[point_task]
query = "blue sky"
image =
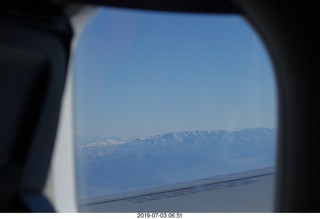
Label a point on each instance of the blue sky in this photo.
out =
(140, 73)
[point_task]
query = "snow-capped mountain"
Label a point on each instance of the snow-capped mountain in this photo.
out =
(81, 140)
(109, 166)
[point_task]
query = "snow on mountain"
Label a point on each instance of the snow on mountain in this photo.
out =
(109, 166)
(81, 140)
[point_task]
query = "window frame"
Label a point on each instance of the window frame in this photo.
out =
(296, 71)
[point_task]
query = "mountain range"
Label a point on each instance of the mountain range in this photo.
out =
(109, 166)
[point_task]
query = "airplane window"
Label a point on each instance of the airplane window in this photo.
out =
(169, 100)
